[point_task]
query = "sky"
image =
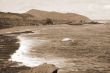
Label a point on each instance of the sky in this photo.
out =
(94, 9)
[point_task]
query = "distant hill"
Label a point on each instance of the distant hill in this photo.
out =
(15, 19)
(38, 17)
(14, 15)
(42, 15)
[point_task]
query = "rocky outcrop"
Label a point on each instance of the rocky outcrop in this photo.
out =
(44, 68)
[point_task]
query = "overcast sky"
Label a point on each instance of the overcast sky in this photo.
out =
(94, 9)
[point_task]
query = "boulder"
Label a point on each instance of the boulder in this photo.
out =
(68, 41)
(45, 68)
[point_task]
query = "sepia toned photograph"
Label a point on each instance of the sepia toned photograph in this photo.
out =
(54, 36)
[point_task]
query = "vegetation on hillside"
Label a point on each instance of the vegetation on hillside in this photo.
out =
(33, 18)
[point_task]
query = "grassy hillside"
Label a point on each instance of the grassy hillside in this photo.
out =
(37, 17)
(42, 15)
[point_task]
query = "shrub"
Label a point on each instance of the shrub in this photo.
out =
(48, 21)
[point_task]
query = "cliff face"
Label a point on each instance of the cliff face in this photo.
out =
(37, 17)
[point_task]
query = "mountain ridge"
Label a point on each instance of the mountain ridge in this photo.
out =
(40, 14)
(35, 17)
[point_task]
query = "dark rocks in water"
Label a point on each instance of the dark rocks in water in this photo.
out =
(8, 46)
(13, 69)
(45, 68)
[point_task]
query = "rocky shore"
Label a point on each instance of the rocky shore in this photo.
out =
(8, 45)
(90, 53)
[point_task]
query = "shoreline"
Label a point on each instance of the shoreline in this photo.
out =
(90, 53)
(8, 46)
(13, 66)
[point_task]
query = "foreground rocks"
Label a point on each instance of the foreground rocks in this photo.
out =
(45, 68)
(8, 46)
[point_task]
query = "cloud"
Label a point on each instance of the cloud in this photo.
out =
(107, 6)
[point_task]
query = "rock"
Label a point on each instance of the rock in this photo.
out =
(45, 68)
(68, 42)
(66, 39)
